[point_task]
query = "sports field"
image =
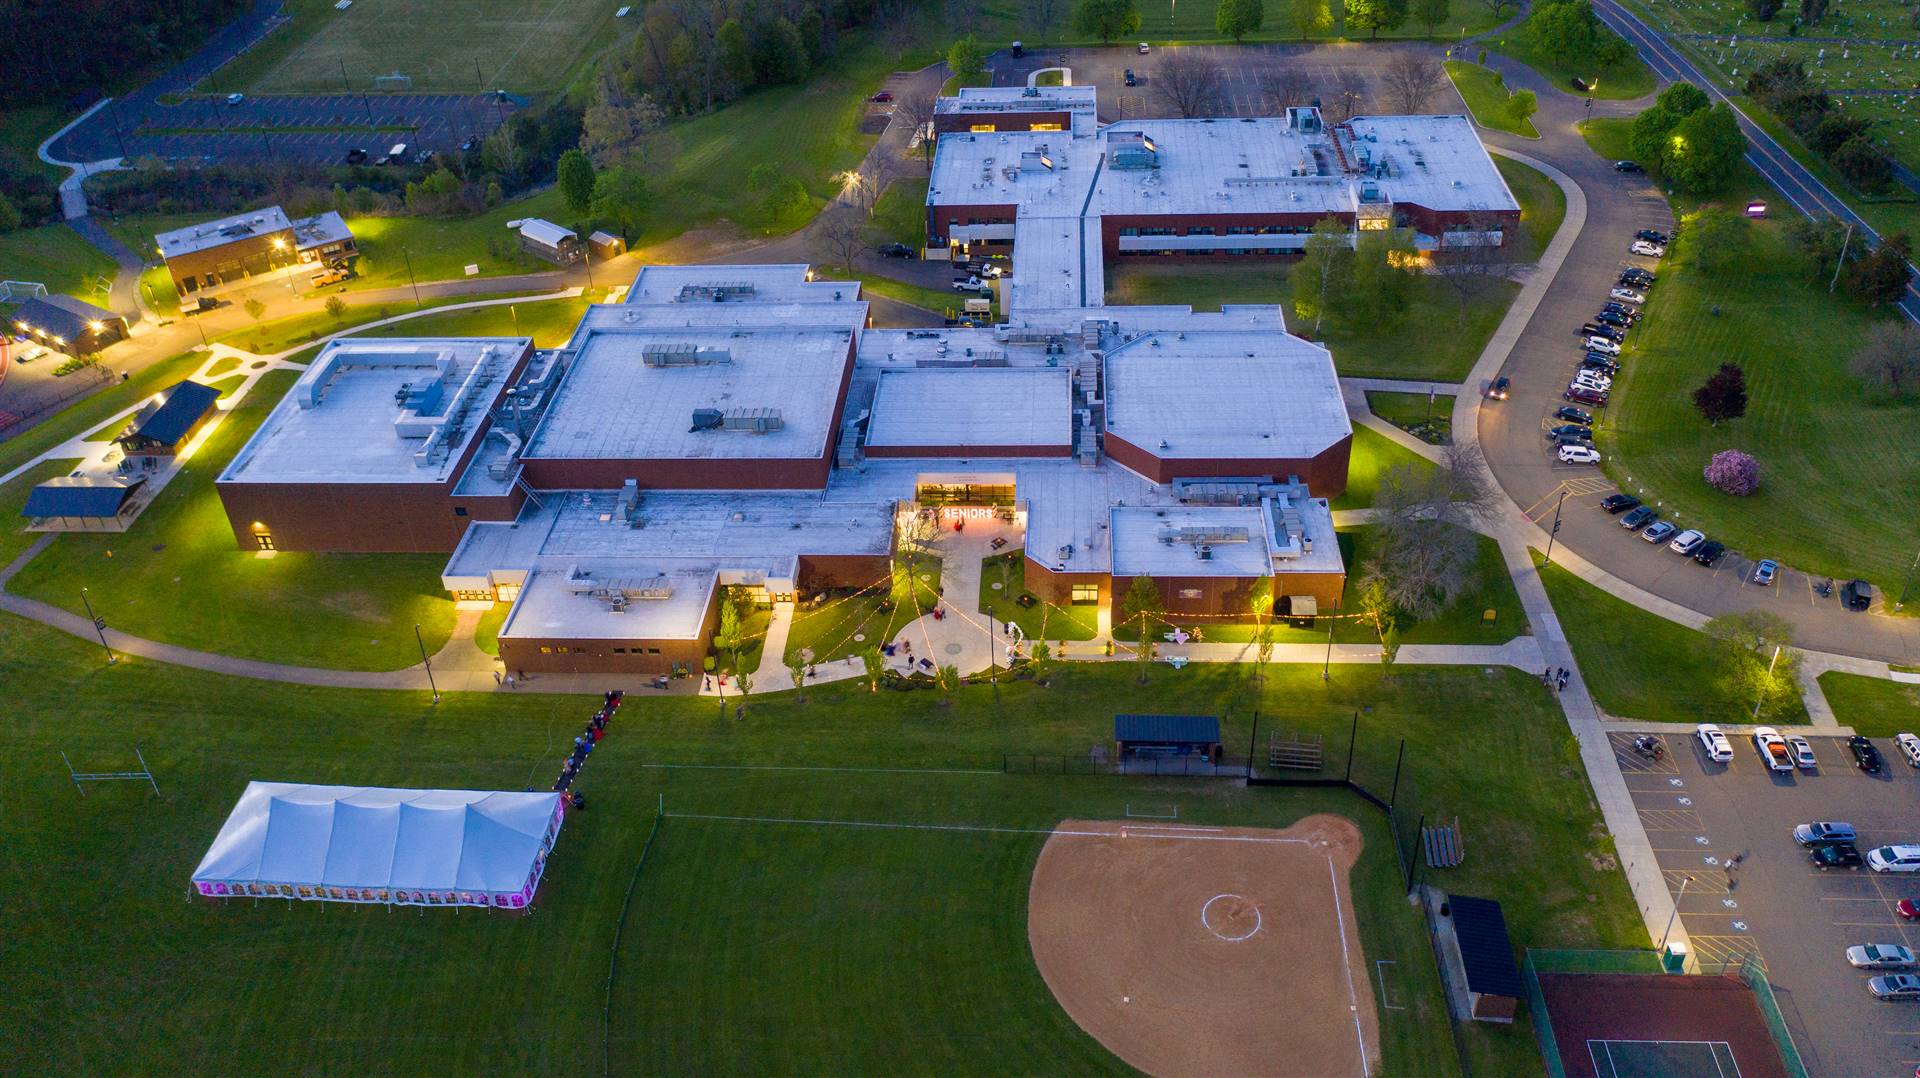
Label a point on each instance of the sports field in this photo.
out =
(444, 46)
(795, 942)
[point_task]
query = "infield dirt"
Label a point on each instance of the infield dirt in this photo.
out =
(1203, 950)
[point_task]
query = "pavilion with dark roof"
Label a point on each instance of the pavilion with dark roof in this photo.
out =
(82, 503)
(169, 420)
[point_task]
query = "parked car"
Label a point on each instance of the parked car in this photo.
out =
(396, 155)
(1837, 855)
(1639, 518)
(1628, 295)
(1143, 48)
(1866, 756)
(1879, 956)
(1909, 747)
(1647, 250)
(1592, 380)
(1772, 749)
(882, 97)
(1687, 542)
(1713, 742)
(1619, 503)
(1908, 909)
(1130, 80)
(1579, 454)
(1822, 832)
(1856, 594)
(1631, 314)
(1499, 388)
(356, 156)
(470, 144)
(1652, 236)
(1892, 987)
(1657, 531)
(32, 352)
(1602, 344)
(1628, 166)
(424, 157)
(895, 250)
(1591, 397)
(1801, 750)
(1601, 330)
(1613, 318)
(1594, 361)
(235, 99)
(1710, 552)
(1764, 571)
(1571, 429)
(1637, 277)
(1573, 415)
(1572, 439)
(1897, 858)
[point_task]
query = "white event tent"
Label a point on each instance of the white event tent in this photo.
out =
(369, 844)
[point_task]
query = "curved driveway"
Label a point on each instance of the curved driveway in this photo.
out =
(1544, 355)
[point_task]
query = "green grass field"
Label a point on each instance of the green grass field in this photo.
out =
(486, 45)
(1623, 82)
(55, 256)
(1486, 98)
(1642, 666)
(1873, 706)
(1415, 413)
(1165, 22)
(747, 946)
(178, 576)
(1372, 457)
(1041, 621)
(1542, 206)
(549, 322)
(14, 537)
(1838, 463)
(901, 214)
(1383, 354)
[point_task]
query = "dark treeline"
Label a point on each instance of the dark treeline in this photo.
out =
(64, 51)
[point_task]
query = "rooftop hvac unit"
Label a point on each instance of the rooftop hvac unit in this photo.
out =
(706, 419)
(754, 420)
(684, 355)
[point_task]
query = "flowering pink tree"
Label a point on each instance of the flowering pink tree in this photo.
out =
(1733, 472)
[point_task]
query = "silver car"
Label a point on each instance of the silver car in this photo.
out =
(1880, 956)
(1894, 986)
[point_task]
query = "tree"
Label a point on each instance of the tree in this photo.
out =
(779, 55)
(1761, 664)
(1238, 18)
(948, 677)
(1348, 91)
(1521, 106)
(575, 177)
(1382, 280)
(1720, 240)
(875, 665)
(1683, 99)
(1411, 79)
(1724, 395)
(1500, 8)
(1425, 554)
(1822, 241)
(1733, 472)
(1321, 275)
(968, 60)
(620, 197)
(1039, 659)
(1889, 358)
(841, 233)
(1142, 606)
(736, 55)
(336, 308)
(1375, 608)
(1283, 87)
(1881, 277)
(1190, 83)
(1835, 130)
(1763, 10)
(1105, 19)
(1565, 30)
(1705, 151)
(1864, 164)
(1390, 644)
(616, 129)
(1812, 11)
(962, 15)
(1042, 17)
(1374, 16)
(915, 109)
(254, 308)
(1432, 13)
(731, 633)
(9, 214)
(1311, 16)
(797, 670)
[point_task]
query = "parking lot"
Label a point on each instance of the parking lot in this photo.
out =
(1722, 835)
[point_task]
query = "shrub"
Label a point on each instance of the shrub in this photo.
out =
(1733, 472)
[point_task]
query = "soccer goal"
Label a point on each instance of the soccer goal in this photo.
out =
(395, 83)
(81, 778)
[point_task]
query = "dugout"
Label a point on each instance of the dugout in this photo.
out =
(1167, 735)
(1481, 951)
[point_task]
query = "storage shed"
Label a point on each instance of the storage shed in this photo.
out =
(1167, 735)
(1486, 953)
(69, 325)
(544, 239)
(605, 245)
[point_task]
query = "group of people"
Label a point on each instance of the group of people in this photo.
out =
(582, 748)
(1555, 679)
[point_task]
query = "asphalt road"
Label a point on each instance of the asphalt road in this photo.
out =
(1800, 920)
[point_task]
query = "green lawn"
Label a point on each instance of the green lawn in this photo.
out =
(1427, 418)
(177, 576)
(1542, 205)
(1373, 456)
(1642, 666)
(1839, 465)
(486, 634)
(1042, 620)
(1873, 706)
(55, 256)
(92, 411)
(1623, 81)
(931, 299)
(14, 537)
(815, 950)
(549, 322)
(1164, 22)
(901, 214)
(1486, 97)
(826, 632)
(1369, 351)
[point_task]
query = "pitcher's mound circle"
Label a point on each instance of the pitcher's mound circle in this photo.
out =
(1231, 917)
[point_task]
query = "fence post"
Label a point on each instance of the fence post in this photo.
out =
(1393, 797)
(1413, 862)
(1252, 740)
(1353, 734)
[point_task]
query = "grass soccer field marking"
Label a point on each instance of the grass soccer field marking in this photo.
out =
(1380, 973)
(801, 767)
(1190, 834)
(1346, 960)
(507, 64)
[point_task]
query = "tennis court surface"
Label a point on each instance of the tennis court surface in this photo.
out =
(1630, 1025)
(1663, 1059)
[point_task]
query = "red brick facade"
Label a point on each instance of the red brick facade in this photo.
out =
(965, 451)
(947, 123)
(1325, 473)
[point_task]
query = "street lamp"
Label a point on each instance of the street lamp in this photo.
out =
(1684, 880)
(1556, 526)
(425, 661)
(99, 626)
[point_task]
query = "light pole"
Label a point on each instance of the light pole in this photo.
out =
(1326, 667)
(1908, 586)
(405, 254)
(426, 662)
(1762, 696)
(1556, 526)
(99, 626)
(1684, 880)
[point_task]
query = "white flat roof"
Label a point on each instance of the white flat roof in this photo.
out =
(1062, 263)
(613, 405)
(1225, 396)
(320, 230)
(982, 406)
(209, 234)
(559, 601)
(733, 284)
(724, 526)
(1156, 541)
(342, 423)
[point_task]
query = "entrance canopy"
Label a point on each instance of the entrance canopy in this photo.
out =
(370, 844)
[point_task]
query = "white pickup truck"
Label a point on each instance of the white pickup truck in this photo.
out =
(969, 284)
(1772, 748)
